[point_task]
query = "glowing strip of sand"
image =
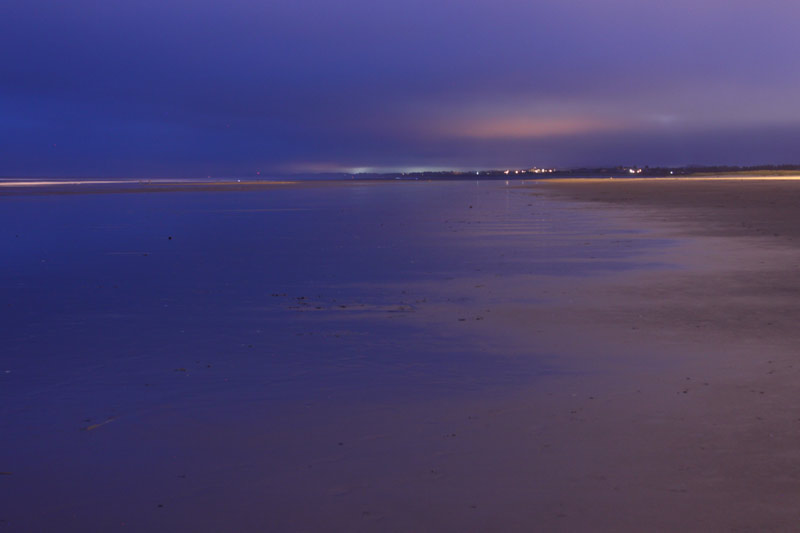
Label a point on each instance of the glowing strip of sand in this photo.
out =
(48, 183)
(675, 178)
(130, 182)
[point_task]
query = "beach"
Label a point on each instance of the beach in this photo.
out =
(558, 355)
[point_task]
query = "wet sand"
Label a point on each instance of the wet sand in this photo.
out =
(703, 438)
(679, 413)
(650, 327)
(716, 206)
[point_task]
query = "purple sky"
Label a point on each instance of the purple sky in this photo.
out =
(232, 87)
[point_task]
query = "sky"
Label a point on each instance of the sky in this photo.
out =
(180, 88)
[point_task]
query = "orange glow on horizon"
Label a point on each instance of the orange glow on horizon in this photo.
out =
(528, 128)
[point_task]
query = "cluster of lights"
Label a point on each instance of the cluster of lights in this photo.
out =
(533, 170)
(636, 171)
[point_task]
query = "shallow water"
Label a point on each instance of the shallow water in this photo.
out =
(150, 318)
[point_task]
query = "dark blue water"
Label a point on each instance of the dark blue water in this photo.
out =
(211, 304)
(197, 276)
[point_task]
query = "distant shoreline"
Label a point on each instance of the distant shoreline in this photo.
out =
(534, 173)
(15, 186)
